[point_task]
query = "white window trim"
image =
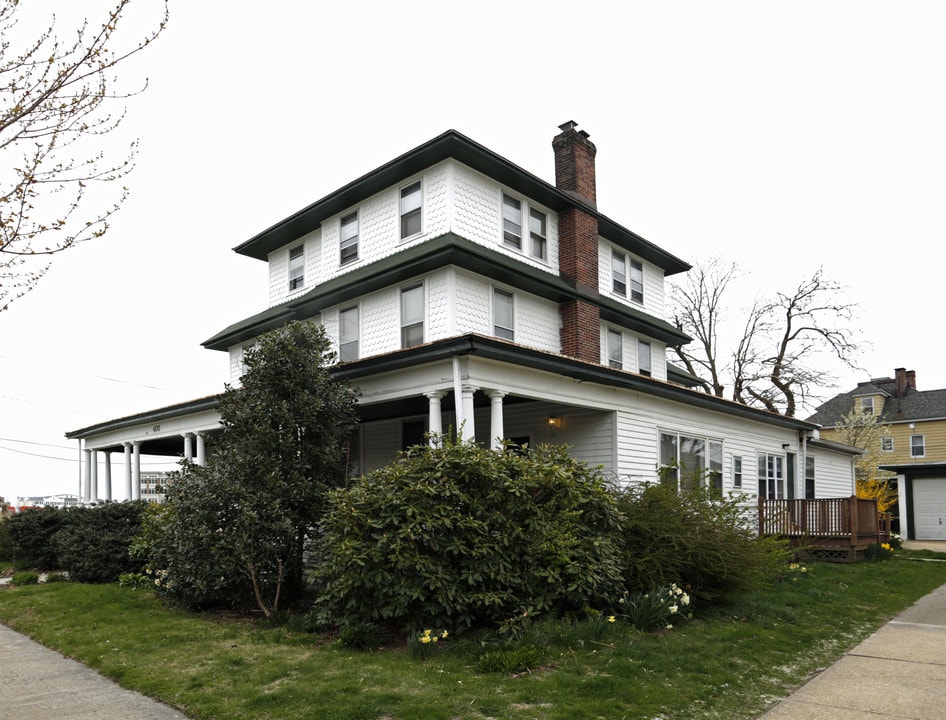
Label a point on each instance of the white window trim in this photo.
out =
(512, 298)
(400, 215)
(648, 371)
(341, 239)
(886, 444)
(922, 445)
(301, 286)
(630, 264)
(707, 469)
(357, 308)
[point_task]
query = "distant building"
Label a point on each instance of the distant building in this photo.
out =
(914, 450)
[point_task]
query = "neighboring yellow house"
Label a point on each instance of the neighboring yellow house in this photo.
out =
(914, 451)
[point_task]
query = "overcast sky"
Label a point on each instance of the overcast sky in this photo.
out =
(783, 136)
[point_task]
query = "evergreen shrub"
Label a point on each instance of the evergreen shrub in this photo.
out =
(459, 536)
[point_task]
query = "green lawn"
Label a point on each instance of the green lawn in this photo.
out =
(729, 661)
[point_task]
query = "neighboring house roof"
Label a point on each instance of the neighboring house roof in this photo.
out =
(450, 144)
(914, 405)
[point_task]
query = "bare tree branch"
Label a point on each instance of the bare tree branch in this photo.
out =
(58, 100)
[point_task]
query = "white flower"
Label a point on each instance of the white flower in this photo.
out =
(684, 599)
(673, 609)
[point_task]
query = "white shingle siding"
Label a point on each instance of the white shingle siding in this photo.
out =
(477, 216)
(654, 297)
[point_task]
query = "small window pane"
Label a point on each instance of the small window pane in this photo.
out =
(637, 281)
(349, 238)
(537, 225)
(348, 334)
(615, 350)
(412, 316)
(618, 273)
(503, 326)
(643, 357)
(411, 210)
(512, 222)
(296, 268)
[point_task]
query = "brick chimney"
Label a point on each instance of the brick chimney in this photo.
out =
(904, 379)
(578, 243)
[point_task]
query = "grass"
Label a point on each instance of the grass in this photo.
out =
(730, 661)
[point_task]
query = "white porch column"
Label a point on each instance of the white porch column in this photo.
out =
(108, 475)
(95, 476)
(87, 475)
(201, 450)
(136, 470)
(496, 432)
(469, 426)
(127, 447)
(435, 418)
(188, 446)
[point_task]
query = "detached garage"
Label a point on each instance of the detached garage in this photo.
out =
(922, 489)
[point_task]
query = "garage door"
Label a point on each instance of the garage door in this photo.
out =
(929, 508)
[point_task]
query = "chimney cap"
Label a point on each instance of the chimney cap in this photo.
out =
(570, 125)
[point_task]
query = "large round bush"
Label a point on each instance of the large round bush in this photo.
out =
(460, 536)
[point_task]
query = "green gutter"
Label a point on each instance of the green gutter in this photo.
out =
(448, 249)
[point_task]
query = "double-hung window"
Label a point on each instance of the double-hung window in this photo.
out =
(771, 476)
(643, 357)
(886, 444)
(737, 472)
(615, 350)
(348, 328)
(349, 239)
(917, 446)
(410, 210)
(627, 273)
(412, 315)
(809, 477)
(296, 267)
(538, 223)
(503, 315)
(867, 405)
(512, 222)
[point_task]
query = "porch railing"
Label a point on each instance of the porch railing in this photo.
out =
(852, 518)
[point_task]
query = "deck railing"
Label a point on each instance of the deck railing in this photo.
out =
(852, 517)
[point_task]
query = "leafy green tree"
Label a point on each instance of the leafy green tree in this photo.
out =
(459, 535)
(280, 452)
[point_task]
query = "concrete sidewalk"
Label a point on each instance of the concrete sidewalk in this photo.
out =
(898, 672)
(38, 684)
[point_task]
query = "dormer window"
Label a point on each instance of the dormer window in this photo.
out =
(349, 239)
(867, 405)
(296, 268)
(411, 210)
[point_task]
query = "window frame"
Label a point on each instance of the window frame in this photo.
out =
(296, 267)
(737, 472)
(914, 445)
(500, 331)
(352, 241)
(408, 327)
(343, 354)
(708, 449)
(774, 484)
(618, 286)
(867, 405)
(539, 240)
(809, 477)
(649, 354)
(886, 444)
(406, 217)
(511, 238)
(615, 341)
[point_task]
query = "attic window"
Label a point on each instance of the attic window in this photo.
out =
(867, 405)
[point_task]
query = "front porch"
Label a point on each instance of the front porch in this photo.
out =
(833, 529)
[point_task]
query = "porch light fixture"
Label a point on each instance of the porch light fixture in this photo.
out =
(555, 424)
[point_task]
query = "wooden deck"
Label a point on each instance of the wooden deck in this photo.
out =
(836, 529)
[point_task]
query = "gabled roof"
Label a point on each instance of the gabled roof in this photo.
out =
(915, 405)
(450, 144)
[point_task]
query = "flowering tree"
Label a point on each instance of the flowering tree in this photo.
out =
(58, 98)
(866, 431)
